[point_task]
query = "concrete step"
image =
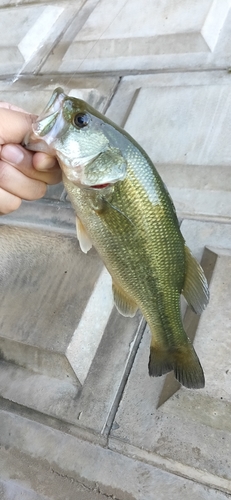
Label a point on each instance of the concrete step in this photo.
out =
(24, 478)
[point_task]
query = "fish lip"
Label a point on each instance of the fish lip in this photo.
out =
(98, 187)
(35, 140)
(49, 120)
(44, 121)
(55, 103)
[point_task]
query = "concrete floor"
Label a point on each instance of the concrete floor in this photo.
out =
(79, 416)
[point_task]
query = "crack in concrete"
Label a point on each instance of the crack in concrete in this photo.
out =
(84, 486)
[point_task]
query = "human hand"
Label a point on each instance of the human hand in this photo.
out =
(23, 175)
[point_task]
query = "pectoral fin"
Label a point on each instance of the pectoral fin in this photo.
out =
(195, 289)
(84, 240)
(124, 304)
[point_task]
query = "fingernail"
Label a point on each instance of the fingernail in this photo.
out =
(12, 154)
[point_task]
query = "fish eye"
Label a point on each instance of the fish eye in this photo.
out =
(81, 120)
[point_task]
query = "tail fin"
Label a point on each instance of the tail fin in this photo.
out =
(184, 362)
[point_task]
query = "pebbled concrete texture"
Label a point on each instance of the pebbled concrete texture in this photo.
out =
(31, 479)
(115, 475)
(79, 416)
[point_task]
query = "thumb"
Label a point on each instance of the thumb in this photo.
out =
(14, 125)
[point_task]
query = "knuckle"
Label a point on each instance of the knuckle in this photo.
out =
(54, 178)
(40, 189)
(10, 205)
(15, 204)
(3, 172)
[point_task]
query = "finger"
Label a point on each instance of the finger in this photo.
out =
(44, 162)
(22, 160)
(8, 105)
(8, 202)
(14, 125)
(15, 182)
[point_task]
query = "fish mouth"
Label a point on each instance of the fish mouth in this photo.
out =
(101, 186)
(47, 127)
(104, 187)
(99, 170)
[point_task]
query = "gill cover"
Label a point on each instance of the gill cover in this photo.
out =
(72, 131)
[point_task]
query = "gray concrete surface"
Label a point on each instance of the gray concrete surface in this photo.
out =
(113, 474)
(79, 416)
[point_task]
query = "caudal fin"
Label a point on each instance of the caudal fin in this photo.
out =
(183, 361)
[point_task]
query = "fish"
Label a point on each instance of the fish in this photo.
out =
(124, 210)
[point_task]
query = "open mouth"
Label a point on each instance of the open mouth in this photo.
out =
(50, 123)
(47, 126)
(101, 186)
(55, 103)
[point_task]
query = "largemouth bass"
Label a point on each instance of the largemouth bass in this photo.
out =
(123, 208)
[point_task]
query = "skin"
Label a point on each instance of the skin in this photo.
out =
(23, 175)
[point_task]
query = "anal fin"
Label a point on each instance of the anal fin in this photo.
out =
(125, 305)
(84, 240)
(195, 289)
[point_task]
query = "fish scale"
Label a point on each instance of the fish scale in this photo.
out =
(123, 208)
(150, 248)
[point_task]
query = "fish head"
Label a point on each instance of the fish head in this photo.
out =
(76, 134)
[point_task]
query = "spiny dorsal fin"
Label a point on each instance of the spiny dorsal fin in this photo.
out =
(84, 240)
(124, 304)
(195, 289)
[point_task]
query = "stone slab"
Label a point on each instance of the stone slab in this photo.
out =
(197, 115)
(12, 491)
(130, 84)
(183, 123)
(22, 477)
(131, 37)
(48, 357)
(41, 305)
(55, 58)
(33, 92)
(86, 412)
(91, 465)
(44, 214)
(190, 430)
(37, 28)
